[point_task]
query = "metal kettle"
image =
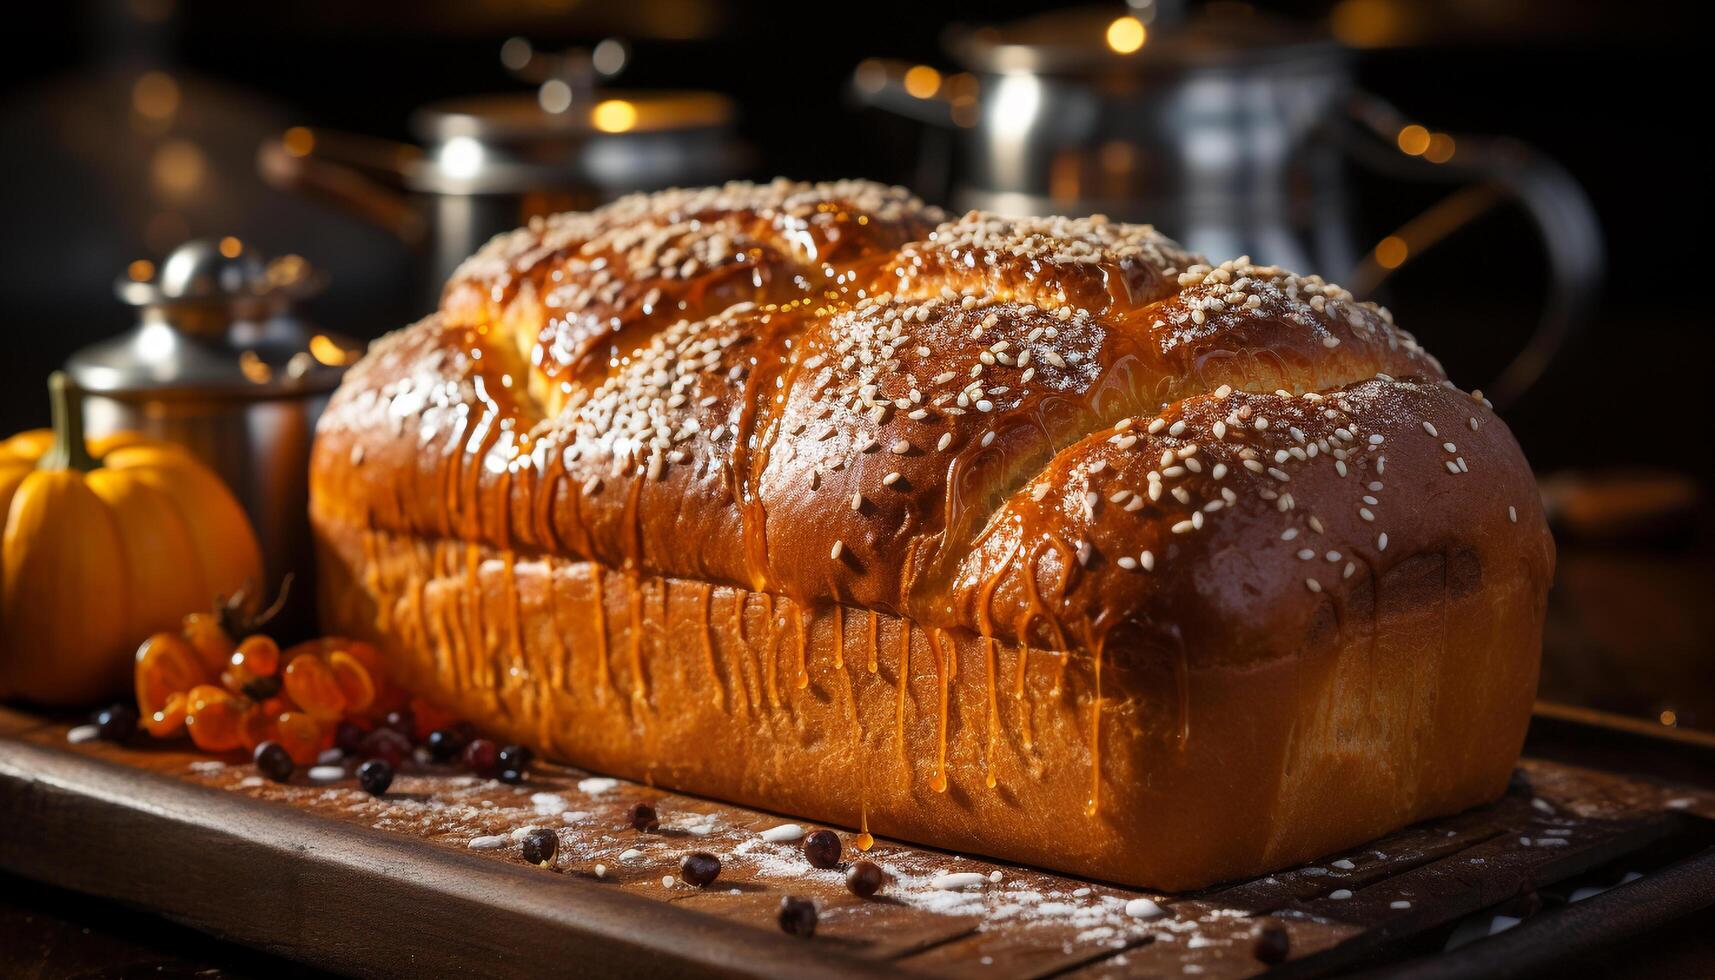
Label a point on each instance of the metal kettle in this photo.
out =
(219, 363)
(1231, 130)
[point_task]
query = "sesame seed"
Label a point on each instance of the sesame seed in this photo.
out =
(1366, 513)
(1305, 554)
(1156, 425)
(945, 441)
(900, 447)
(1127, 562)
(1147, 560)
(1313, 585)
(1183, 527)
(1381, 541)
(1289, 534)
(1452, 467)
(1376, 439)
(1333, 556)
(857, 501)
(890, 479)
(1177, 428)
(1512, 514)
(1429, 427)
(839, 546)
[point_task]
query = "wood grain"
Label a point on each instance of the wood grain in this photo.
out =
(325, 874)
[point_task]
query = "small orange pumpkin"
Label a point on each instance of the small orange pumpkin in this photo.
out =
(104, 544)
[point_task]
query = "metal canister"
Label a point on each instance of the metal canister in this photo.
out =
(220, 364)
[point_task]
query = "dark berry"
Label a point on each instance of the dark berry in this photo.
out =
(1272, 944)
(699, 868)
(375, 776)
(262, 688)
(798, 916)
(642, 817)
(865, 878)
(385, 743)
(401, 721)
(516, 757)
(822, 849)
(446, 743)
(117, 722)
(273, 761)
(482, 757)
(540, 845)
(511, 777)
(348, 736)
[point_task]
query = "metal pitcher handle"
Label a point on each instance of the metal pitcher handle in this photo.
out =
(359, 174)
(1496, 170)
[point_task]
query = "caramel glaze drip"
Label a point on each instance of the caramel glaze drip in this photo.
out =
(801, 271)
(705, 634)
(943, 679)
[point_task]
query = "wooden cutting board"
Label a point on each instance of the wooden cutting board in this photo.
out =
(323, 873)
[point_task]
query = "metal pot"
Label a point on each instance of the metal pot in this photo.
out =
(218, 363)
(489, 163)
(1229, 129)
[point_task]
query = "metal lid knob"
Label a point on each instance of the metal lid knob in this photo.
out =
(214, 271)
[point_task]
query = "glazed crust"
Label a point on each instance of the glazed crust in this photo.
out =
(1171, 545)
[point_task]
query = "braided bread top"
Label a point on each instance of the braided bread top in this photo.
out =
(1042, 430)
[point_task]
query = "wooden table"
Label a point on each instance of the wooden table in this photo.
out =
(326, 875)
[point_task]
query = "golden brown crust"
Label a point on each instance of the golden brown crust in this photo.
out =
(1070, 434)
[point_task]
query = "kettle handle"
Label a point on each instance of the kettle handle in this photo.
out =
(358, 174)
(1496, 171)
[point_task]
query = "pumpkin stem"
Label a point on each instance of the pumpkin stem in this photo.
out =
(238, 613)
(68, 451)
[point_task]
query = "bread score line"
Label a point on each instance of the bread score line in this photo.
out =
(1039, 538)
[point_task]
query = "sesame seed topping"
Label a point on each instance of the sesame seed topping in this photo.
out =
(1381, 541)
(839, 546)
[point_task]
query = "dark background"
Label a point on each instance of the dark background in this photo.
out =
(1617, 91)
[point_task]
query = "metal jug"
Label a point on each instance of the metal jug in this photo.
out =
(1229, 129)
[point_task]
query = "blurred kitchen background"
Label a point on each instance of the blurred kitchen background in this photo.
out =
(1422, 151)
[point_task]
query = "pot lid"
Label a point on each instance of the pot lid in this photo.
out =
(215, 319)
(524, 117)
(1102, 41)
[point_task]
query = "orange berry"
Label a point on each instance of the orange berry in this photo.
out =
(169, 719)
(353, 680)
(210, 641)
(258, 724)
(258, 654)
(256, 658)
(365, 653)
(312, 687)
(166, 665)
(212, 716)
(300, 734)
(427, 717)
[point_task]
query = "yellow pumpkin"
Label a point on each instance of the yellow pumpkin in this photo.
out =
(105, 543)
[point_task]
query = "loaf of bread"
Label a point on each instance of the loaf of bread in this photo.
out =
(1043, 539)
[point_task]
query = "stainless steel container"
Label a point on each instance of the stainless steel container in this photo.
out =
(489, 163)
(218, 363)
(1230, 129)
